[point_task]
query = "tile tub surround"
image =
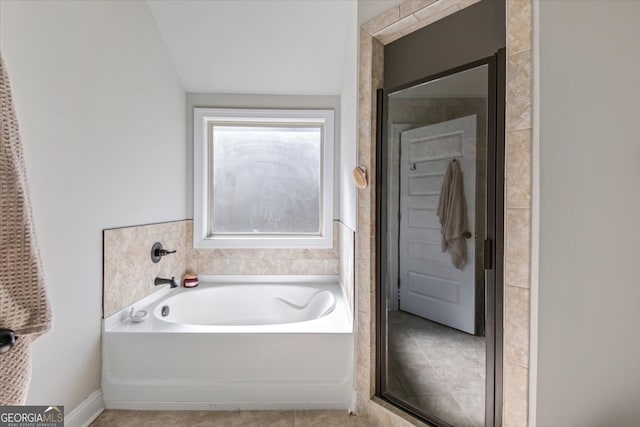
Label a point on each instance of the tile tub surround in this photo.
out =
(387, 27)
(128, 271)
(263, 261)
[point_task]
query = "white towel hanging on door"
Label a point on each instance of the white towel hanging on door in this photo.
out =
(452, 213)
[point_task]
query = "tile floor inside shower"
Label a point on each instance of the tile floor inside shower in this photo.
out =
(436, 368)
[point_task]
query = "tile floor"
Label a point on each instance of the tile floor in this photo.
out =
(436, 368)
(113, 418)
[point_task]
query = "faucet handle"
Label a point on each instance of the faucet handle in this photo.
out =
(157, 252)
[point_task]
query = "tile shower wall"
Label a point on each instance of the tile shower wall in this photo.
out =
(128, 270)
(517, 274)
(371, 76)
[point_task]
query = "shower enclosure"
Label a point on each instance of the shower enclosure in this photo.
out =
(439, 245)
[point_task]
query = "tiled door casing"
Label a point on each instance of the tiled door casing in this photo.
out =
(387, 27)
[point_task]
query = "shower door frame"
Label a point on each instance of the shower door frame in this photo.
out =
(494, 243)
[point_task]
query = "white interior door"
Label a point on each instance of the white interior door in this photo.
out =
(430, 286)
(393, 208)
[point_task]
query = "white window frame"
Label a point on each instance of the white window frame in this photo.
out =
(203, 119)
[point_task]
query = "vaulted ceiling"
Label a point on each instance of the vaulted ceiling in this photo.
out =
(369, 9)
(266, 46)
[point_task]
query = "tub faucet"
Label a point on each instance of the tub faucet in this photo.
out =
(160, 281)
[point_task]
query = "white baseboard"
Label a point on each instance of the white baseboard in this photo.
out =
(86, 412)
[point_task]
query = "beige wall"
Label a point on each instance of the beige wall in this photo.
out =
(589, 316)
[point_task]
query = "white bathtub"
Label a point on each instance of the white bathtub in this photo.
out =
(258, 342)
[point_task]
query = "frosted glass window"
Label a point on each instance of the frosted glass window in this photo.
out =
(266, 179)
(263, 178)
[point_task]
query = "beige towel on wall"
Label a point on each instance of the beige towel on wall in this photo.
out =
(24, 306)
(452, 213)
